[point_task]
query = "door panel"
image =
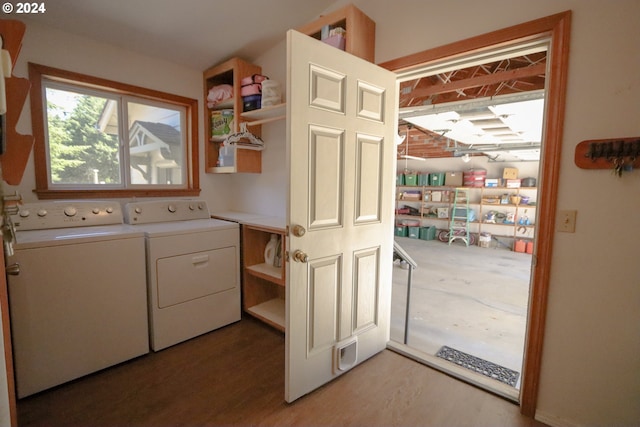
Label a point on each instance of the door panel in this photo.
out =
(324, 291)
(369, 173)
(326, 160)
(341, 120)
(326, 89)
(367, 285)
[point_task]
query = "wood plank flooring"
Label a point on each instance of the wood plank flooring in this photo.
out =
(235, 377)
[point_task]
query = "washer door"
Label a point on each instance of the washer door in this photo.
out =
(187, 277)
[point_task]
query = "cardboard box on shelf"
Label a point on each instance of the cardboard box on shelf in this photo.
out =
(510, 173)
(453, 179)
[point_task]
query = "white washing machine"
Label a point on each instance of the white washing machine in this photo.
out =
(77, 294)
(193, 268)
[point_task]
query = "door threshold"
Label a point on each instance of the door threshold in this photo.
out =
(458, 372)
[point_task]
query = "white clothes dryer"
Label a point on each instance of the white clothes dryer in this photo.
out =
(77, 294)
(193, 268)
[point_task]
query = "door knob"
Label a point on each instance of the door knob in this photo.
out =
(298, 230)
(300, 256)
(13, 269)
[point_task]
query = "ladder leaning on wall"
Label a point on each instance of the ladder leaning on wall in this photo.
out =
(459, 222)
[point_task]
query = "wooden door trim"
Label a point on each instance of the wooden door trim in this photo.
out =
(558, 28)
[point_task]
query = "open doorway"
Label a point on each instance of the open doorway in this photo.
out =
(468, 161)
(554, 32)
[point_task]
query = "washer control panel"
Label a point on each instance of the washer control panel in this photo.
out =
(152, 211)
(67, 214)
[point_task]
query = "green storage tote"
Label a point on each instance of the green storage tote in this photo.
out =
(413, 232)
(427, 233)
(401, 231)
(436, 179)
(410, 179)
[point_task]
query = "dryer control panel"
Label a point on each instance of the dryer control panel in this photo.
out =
(67, 214)
(151, 211)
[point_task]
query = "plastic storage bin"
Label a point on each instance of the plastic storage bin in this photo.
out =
(401, 231)
(427, 233)
(436, 179)
(413, 232)
(410, 179)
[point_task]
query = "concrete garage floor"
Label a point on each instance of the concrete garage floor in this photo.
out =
(471, 299)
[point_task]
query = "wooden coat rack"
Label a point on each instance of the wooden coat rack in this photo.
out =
(620, 154)
(18, 147)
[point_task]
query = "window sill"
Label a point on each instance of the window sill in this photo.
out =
(116, 193)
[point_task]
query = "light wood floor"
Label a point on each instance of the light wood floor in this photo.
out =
(235, 377)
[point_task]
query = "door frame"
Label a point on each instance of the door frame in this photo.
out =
(557, 28)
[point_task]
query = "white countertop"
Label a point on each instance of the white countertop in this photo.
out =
(248, 218)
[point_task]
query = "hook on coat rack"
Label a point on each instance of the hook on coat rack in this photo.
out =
(620, 154)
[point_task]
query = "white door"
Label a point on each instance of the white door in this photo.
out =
(341, 113)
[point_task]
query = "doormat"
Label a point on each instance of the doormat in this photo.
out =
(478, 365)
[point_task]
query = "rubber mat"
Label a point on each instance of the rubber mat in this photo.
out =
(480, 366)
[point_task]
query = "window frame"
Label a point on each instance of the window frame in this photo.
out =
(43, 190)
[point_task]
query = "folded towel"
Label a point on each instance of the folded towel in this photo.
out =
(219, 93)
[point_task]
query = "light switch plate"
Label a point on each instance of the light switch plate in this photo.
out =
(567, 221)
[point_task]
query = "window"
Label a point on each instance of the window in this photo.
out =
(98, 138)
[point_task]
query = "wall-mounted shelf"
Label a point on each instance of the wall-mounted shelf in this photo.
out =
(361, 30)
(265, 115)
(237, 159)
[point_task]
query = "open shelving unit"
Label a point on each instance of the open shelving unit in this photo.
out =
(425, 208)
(229, 72)
(263, 285)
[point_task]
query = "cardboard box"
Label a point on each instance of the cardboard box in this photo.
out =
(412, 195)
(513, 183)
(491, 182)
(510, 173)
(454, 179)
(443, 212)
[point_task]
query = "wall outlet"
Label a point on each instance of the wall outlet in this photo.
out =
(567, 221)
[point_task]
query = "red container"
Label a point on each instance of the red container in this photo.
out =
(519, 246)
(529, 248)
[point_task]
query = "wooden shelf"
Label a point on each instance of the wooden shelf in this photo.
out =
(263, 285)
(265, 115)
(267, 272)
(272, 312)
(361, 30)
(229, 72)
(512, 230)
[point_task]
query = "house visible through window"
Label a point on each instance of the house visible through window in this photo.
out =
(103, 138)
